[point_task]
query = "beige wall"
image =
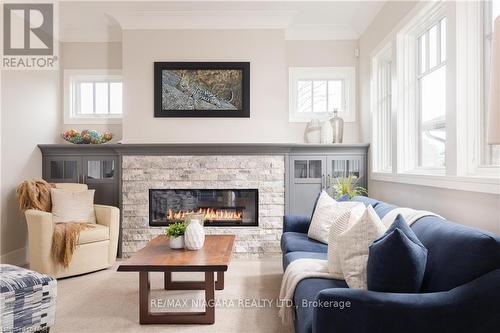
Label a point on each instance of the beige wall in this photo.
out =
(29, 116)
(91, 56)
(470, 208)
(269, 55)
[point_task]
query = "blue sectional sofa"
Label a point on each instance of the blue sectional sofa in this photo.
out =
(460, 293)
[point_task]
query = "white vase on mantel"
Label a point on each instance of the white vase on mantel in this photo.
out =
(194, 236)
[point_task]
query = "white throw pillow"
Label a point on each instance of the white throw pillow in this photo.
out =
(339, 226)
(354, 245)
(73, 206)
(326, 213)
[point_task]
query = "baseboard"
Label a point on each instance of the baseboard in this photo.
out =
(17, 257)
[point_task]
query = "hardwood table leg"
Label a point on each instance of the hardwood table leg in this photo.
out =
(207, 317)
(144, 287)
(168, 284)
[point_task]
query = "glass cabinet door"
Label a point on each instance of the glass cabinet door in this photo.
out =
(99, 169)
(342, 167)
(305, 168)
(62, 169)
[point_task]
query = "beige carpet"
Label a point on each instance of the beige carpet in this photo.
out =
(107, 301)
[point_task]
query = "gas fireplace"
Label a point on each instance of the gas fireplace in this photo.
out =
(221, 207)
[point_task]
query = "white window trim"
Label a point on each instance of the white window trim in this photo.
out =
(91, 74)
(487, 180)
(347, 74)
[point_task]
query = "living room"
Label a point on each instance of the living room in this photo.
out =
(250, 166)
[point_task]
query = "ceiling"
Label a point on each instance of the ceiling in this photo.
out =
(98, 21)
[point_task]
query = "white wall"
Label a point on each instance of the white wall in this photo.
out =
(91, 56)
(471, 208)
(30, 116)
(269, 55)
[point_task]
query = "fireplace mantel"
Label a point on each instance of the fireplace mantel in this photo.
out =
(200, 148)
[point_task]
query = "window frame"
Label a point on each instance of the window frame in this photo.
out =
(345, 74)
(464, 102)
(72, 102)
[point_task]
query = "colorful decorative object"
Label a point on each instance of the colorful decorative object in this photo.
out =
(175, 232)
(86, 136)
(194, 237)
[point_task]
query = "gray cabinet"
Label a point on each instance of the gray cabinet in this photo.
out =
(99, 172)
(309, 174)
(307, 179)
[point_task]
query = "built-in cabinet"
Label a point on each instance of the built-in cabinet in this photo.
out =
(98, 172)
(310, 174)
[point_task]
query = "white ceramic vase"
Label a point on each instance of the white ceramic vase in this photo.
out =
(194, 236)
(176, 242)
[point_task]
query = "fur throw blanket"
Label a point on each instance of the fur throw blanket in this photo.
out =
(35, 194)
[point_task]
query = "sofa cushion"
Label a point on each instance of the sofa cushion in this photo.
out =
(95, 233)
(396, 261)
(366, 200)
(297, 241)
(291, 256)
(457, 254)
(307, 291)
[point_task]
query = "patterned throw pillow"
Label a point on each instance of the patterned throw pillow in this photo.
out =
(354, 246)
(338, 227)
(326, 213)
(73, 206)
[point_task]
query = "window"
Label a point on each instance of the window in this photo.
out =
(490, 153)
(382, 109)
(431, 83)
(93, 97)
(318, 92)
(438, 74)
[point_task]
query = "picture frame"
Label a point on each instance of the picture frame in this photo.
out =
(202, 89)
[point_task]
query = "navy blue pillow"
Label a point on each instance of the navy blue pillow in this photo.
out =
(396, 261)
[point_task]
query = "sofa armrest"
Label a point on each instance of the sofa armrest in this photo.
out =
(110, 217)
(40, 230)
(473, 307)
(295, 223)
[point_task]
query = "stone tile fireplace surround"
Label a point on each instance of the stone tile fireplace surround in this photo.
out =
(263, 172)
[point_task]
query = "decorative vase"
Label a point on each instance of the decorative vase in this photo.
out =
(194, 237)
(337, 127)
(326, 132)
(176, 242)
(312, 133)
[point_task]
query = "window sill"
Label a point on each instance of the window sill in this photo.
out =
(471, 183)
(93, 121)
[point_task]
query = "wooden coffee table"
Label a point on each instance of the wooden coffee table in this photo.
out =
(157, 256)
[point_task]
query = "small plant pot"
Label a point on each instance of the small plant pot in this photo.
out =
(176, 242)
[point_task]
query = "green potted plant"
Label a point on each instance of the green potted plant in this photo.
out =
(347, 185)
(175, 232)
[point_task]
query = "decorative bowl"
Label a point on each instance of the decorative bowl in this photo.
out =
(86, 136)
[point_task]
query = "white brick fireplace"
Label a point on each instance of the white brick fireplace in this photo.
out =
(263, 172)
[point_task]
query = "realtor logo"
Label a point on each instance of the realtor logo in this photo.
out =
(28, 36)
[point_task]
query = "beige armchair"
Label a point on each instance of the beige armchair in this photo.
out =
(96, 249)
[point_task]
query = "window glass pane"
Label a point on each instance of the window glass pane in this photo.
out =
(319, 98)
(86, 98)
(115, 93)
(422, 41)
(335, 95)
(304, 96)
(433, 46)
(300, 167)
(433, 126)
(101, 97)
(94, 169)
(495, 11)
(315, 169)
(443, 39)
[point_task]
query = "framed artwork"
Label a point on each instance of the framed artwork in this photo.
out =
(202, 89)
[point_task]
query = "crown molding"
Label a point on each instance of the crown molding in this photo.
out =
(203, 19)
(320, 32)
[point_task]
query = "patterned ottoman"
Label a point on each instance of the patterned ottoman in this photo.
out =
(27, 300)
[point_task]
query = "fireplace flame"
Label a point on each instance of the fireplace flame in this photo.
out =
(209, 213)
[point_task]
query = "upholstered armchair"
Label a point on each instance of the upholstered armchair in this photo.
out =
(96, 248)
